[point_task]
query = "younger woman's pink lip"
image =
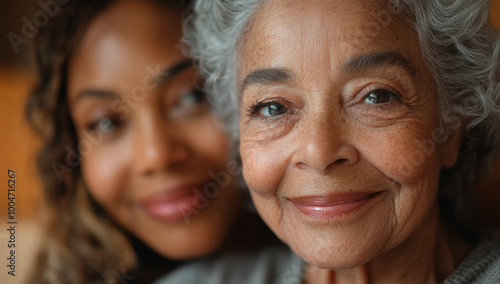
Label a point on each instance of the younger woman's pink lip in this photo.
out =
(176, 204)
(331, 206)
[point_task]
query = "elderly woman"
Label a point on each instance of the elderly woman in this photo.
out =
(362, 125)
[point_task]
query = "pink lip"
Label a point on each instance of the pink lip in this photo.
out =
(332, 206)
(176, 204)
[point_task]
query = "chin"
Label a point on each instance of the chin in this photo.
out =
(338, 262)
(189, 250)
(182, 242)
(337, 248)
(334, 257)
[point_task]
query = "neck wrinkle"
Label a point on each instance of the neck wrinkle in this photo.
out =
(414, 260)
(359, 275)
(427, 256)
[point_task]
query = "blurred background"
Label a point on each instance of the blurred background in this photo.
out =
(18, 144)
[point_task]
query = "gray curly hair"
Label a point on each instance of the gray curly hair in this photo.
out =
(459, 44)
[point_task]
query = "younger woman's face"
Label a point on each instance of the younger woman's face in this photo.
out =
(150, 152)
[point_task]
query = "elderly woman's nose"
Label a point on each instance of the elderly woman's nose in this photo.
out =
(324, 146)
(157, 147)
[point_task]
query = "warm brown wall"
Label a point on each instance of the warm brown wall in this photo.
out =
(495, 12)
(18, 143)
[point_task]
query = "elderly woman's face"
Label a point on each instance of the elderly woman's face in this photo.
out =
(338, 111)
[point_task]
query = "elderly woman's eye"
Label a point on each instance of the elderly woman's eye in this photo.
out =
(380, 96)
(268, 109)
(273, 110)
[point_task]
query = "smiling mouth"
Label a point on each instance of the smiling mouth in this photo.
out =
(332, 206)
(178, 204)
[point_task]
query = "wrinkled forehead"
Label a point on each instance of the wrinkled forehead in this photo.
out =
(281, 29)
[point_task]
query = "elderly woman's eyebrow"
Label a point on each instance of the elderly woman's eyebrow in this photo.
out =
(279, 75)
(266, 76)
(378, 59)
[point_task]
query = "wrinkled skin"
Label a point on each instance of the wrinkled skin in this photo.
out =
(333, 108)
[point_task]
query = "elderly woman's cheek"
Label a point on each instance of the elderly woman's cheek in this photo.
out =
(409, 162)
(261, 166)
(405, 153)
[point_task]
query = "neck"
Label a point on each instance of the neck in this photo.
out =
(425, 257)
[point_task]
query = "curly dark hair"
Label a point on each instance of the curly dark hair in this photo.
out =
(82, 243)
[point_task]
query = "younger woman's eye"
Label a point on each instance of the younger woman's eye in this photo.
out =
(267, 109)
(380, 96)
(192, 99)
(104, 125)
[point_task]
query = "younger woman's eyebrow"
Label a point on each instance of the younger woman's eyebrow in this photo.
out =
(95, 93)
(382, 58)
(173, 70)
(161, 77)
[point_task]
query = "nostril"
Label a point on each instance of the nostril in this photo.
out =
(340, 161)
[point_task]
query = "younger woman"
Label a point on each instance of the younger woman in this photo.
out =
(136, 174)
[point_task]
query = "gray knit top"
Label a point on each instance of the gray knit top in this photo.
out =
(482, 266)
(278, 265)
(282, 266)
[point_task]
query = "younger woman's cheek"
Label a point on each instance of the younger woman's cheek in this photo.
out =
(103, 173)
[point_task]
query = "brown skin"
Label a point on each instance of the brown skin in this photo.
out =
(327, 136)
(164, 139)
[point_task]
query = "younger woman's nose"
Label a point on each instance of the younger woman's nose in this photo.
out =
(158, 146)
